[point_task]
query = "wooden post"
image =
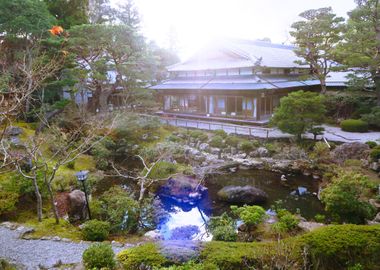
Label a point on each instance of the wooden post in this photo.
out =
(250, 132)
(209, 126)
(197, 124)
(267, 134)
(235, 130)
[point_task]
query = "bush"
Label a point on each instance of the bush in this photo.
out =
(287, 222)
(354, 125)
(99, 256)
(162, 169)
(340, 246)
(119, 208)
(198, 135)
(375, 153)
(190, 265)
(320, 218)
(346, 198)
(371, 144)
(9, 193)
(95, 230)
(251, 215)
(246, 146)
(217, 141)
(173, 138)
(221, 133)
(222, 228)
(232, 141)
(373, 118)
(146, 255)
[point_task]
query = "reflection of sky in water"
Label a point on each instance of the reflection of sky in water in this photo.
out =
(185, 225)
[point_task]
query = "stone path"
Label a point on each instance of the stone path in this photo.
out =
(334, 134)
(37, 254)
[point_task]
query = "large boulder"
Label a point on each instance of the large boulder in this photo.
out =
(183, 189)
(354, 150)
(77, 206)
(242, 194)
(13, 131)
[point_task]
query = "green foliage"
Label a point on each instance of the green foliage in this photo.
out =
(361, 43)
(251, 215)
(48, 227)
(198, 135)
(146, 255)
(190, 265)
(246, 146)
(33, 18)
(346, 198)
(320, 218)
(4, 265)
(118, 208)
(173, 138)
(9, 193)
(69, 13)
(339, 246)
(217, 141)
(95, 230)
(375, 153)
(99, 256)
(233, 141)
(299, 112)
(371, 144)
(320, 152)
(316, 37)
(221, 133)
(373, 118)
(287, 222)
(354, 125)
(162, 170)
(222, 228)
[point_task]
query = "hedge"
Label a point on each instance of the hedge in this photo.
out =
(354, 125)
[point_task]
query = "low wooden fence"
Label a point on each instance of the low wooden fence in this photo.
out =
(229, 128)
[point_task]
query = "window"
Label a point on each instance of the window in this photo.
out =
(246, 71)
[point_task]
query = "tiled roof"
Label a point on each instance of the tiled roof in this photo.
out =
(246, 53)
(247, 82)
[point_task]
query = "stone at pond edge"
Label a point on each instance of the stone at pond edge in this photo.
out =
(242, 194)
(77, 203)
(309, 226)
(354, 150)
(183, 189)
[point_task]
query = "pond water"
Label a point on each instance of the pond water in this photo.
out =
(185, 222)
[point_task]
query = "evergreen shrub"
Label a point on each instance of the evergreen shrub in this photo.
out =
(95, 230)
(99, 256)
(354, 125)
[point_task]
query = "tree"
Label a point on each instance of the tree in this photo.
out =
(346, 198)
(128, 14)
(361, 47)
(111, 59)
(33, 18)
(299, 112)
(69, 12)
(100, 11)
(316, 38)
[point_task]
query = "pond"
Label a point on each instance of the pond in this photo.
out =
(187, 222)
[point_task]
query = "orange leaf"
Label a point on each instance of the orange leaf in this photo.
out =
(56, 30)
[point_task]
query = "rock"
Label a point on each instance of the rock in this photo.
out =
(204, 146)
(180, 250)
(194, 152)
(309, 226)
(215, 151)
(377, 218)
(154, 235)
(260, 152)
(56, 238)
(240, 156)
(233, 151)
(144, 137)
(375, 166)
(233, 169)
(77, 205)
(116, 244)
(354, 150)
(242, 194)
(375, 204)
(183, 189)
(13, 131)
(9, 225)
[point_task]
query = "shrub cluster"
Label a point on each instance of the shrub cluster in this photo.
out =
(375, 153)
(217, 141)
(251, 215)
(198, 135)
(221, 133)
(222, 228)
(136, 258)
(354, 125)
(371, 144)
(99, 256)
(95, 230)
(287, 222)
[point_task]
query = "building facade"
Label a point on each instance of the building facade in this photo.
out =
(236, 80)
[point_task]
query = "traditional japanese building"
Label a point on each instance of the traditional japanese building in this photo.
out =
(234, 80)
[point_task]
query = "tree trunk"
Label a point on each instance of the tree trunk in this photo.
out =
(103, 100)
(377, 84)
(52, 202)
(38, 197)
(323, 86)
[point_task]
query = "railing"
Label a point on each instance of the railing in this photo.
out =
(229, 128)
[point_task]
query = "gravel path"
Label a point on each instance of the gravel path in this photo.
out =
(37, 254)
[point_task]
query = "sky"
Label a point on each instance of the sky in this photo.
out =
(193, 23)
